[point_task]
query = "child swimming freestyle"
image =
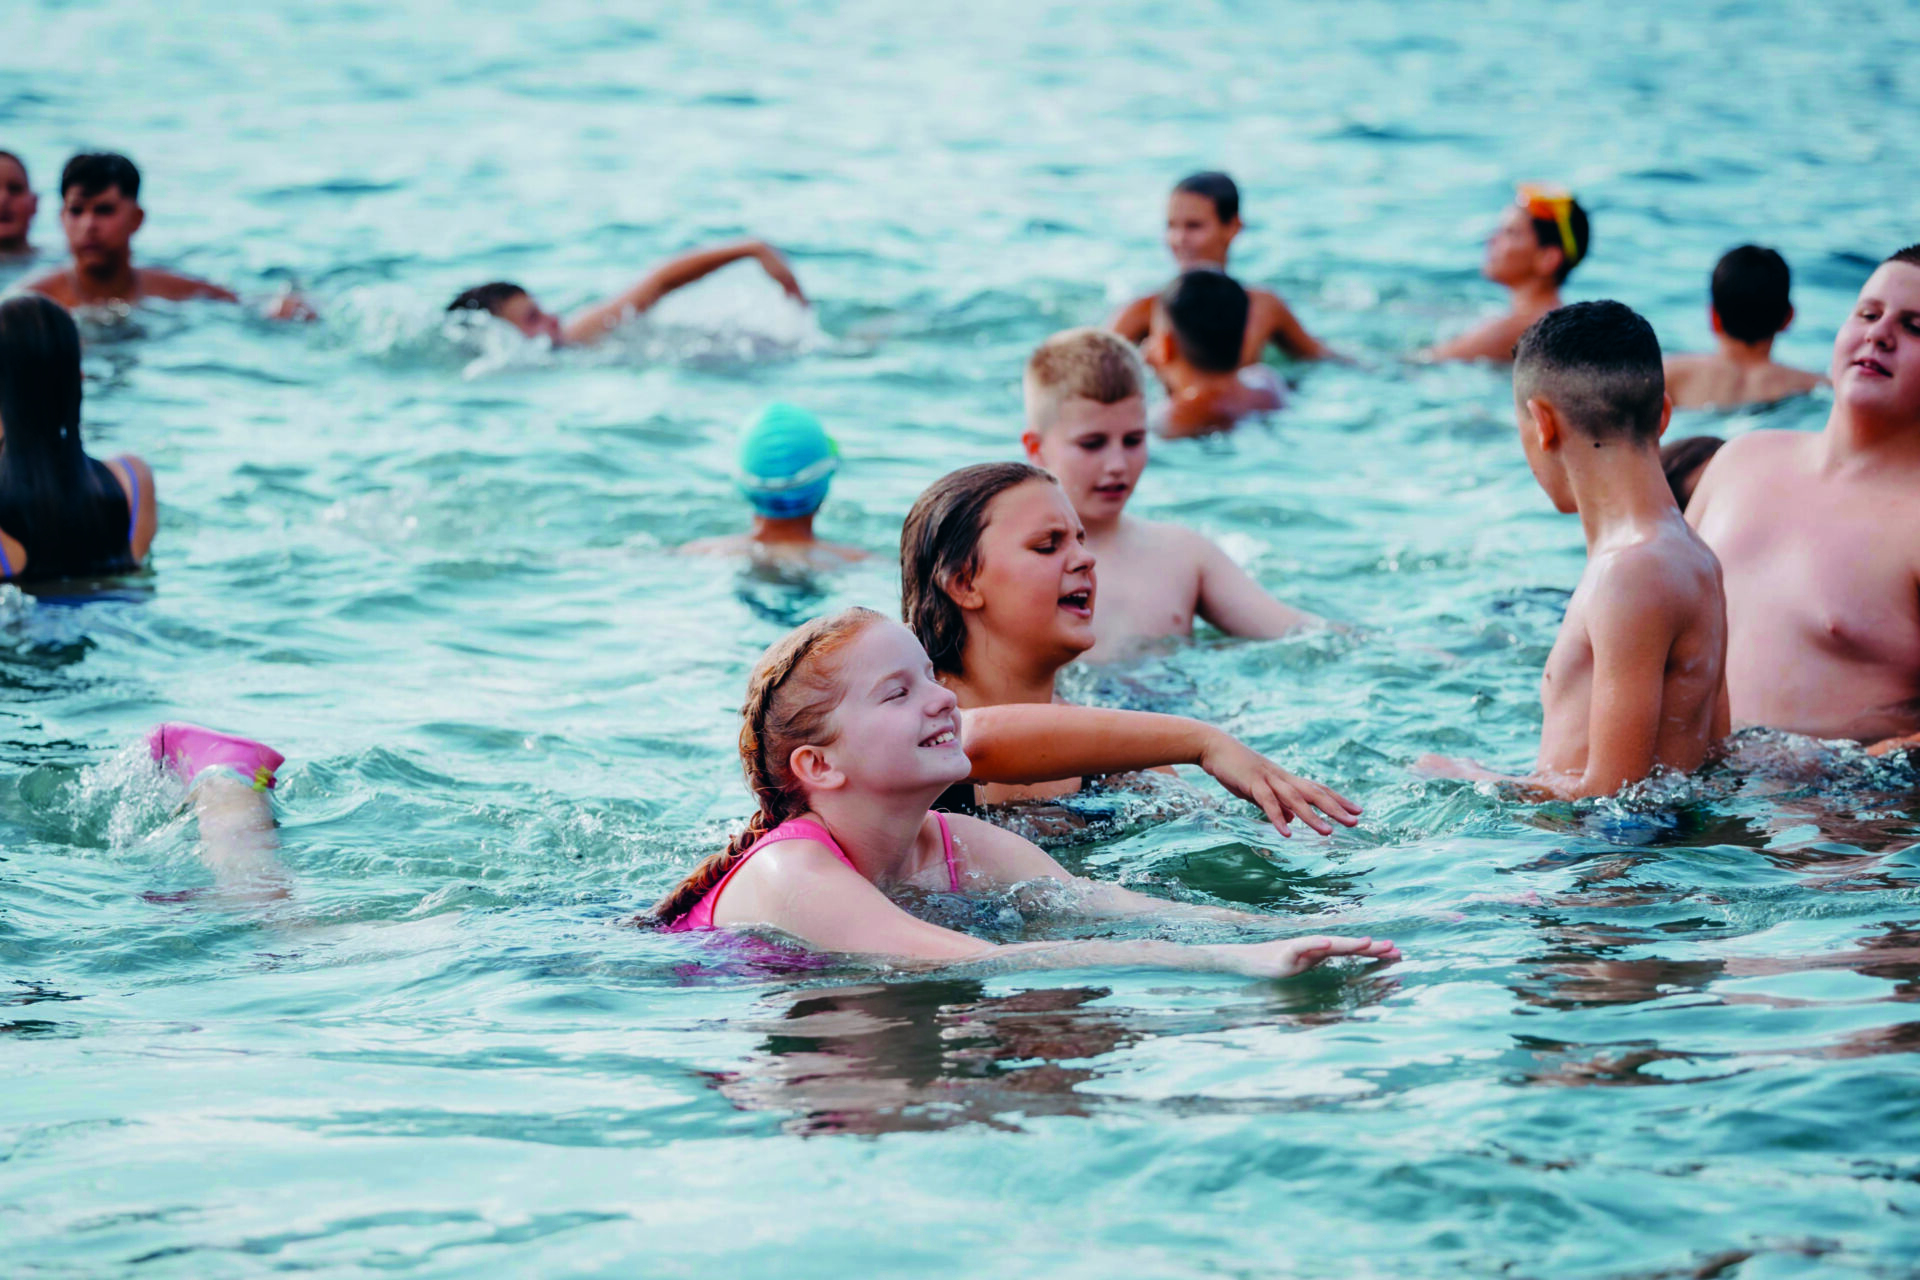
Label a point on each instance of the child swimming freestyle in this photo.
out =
(227, 780)
(1820, 537)
(516, 306)
(62, 513)
(18, 204)
(997, 584)
(847, 738)
(100, 211)
(1750, 308)
(1541, 238)
(1086, 414)
(1203, 217)
(787, 462)
(1192, 347)
(1684, 462)
(1636, 679)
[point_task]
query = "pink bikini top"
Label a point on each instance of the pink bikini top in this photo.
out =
(700, 918)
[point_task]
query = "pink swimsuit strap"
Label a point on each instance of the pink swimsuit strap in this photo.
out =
(700, 918)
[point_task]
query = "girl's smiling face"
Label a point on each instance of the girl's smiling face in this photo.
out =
(1034, 590)
(896, 727)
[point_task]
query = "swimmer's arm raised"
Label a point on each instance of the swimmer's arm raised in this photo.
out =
(1039, 742)
(677, 273)
(807, 892)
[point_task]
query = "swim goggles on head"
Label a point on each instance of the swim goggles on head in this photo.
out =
(809, 474)
(1550, 204)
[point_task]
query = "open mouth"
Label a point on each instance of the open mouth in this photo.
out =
(1110, 490)
(1078, 602)
(1872, 366)
(944, 738)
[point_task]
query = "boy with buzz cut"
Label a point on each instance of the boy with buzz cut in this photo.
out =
(1636, 679)
(1086, 414)
(1194, 347)
(100, 212)
(1750, 309)
(1203, 217)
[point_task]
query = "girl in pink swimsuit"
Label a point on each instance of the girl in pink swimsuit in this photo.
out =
(847, 740)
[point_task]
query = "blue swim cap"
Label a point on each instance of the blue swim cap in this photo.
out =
(787, 461)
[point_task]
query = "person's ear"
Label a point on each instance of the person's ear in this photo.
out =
(1787, 321)
(1547, 428)
(814, 771)
(1030, 441)
(1547, 261)
(1666, 416)
(1233, 228)
(964, 594)
(139, 217)
(1713, 319)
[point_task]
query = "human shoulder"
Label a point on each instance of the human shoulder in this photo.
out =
(777, 865)
(57, 285)
(1134, 319)
(174, 287)
(16, 554)
(1781, 381)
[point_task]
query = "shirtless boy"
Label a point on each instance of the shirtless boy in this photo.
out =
(786, 465)
(1087, 423)
(18, 204)
(1194, 347)
(1636, 678)
(1541, 238)
(100, 211)
(1750, 309)
(1820, 536)
(1203, 217)
(517, 307)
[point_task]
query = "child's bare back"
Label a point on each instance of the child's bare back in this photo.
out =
(1716, 381)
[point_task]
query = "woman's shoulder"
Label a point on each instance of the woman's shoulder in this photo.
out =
(15, 552)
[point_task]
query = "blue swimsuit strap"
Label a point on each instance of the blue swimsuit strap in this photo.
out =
(133, 502)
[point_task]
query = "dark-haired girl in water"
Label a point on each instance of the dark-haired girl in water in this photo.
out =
(997, 584)
(62, 513)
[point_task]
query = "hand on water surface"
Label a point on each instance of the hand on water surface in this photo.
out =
(1280, 795)
(1297, 955)
(776, 266)
(1887, 746)
(291, 306)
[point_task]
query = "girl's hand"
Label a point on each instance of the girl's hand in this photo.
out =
(1297, 955)
(1280, 795)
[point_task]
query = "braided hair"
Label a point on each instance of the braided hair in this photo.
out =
(790, 698)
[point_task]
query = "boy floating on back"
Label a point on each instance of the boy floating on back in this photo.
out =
(1087, 424)
(1203, 217)
(1541, 238)
(1750, 309)
(787, 462)
(100, 212)
(1637, 677)
(517, 307)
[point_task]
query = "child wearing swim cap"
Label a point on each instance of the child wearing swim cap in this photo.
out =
(785, 467)
(848, 736)
(227, 779)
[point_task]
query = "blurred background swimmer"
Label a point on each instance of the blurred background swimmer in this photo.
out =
(1541, 238)
(512, 303)
(227, 780)
(62, 513)
(1749, 309)
(1194, 347)
(18, 204)
(786, 466)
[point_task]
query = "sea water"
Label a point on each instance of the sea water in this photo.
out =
(1668, 1034)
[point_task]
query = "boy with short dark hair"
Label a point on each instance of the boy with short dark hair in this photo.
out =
(1750, 309)
(18, 204)
(1540, 239)
(516, 306)
(1086, 414)
(1636, 679)
(1194, 347)
(100, 211)
(1203, 217)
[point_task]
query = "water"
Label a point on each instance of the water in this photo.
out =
(1664, 1036)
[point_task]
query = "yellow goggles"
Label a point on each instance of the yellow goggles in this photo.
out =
(1549, 204)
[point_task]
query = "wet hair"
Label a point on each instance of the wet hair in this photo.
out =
(1208, 311)
(1091, 364)
(1750, 293)
(940, 549)
(1681, 459)
(1547, 232)
(490, 297)
(95, 171)
(52, 496)
(1909, 255)
(791, 696)
(1599, 363)
(1214, 186)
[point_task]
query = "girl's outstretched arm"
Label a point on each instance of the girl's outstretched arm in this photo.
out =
(1038, 742)
(800, 888)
